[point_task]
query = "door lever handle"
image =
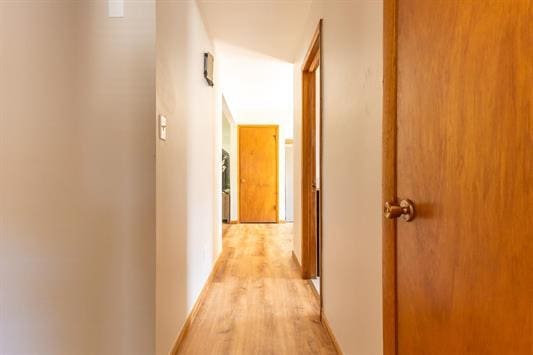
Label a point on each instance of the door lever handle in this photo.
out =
(406, 210)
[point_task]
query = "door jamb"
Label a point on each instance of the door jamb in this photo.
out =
(389, 193)
(311, 62)
(239, 164)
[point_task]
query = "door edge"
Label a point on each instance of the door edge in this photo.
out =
(389, 193)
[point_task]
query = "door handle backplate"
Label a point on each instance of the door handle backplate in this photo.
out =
(406, 210)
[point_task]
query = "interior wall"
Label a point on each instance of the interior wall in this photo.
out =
(77, 191)
(289, 182)
(234, 178)
(116, 91)
(188, 167)
(226, 133)
(352, 97)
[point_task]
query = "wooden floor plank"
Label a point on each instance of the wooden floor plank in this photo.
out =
(257, 302)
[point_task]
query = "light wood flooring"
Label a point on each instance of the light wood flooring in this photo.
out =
(257, 302)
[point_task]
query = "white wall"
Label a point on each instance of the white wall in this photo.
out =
(227, 122)
(234, 178)
(77, 182)
(352, 77)
(188, 167)
(289, 182)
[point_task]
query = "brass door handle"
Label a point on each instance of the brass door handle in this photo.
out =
(406, 210)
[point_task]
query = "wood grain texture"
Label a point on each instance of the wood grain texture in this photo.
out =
(258, 174)
(312, 57)
(310, 211)
(309, 201)
(465, 137)
(257, 302)
(389, 176)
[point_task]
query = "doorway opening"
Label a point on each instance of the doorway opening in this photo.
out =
(311, 162)
(229, 165)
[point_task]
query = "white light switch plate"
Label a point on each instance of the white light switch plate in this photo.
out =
(162, 128)
(115, 8)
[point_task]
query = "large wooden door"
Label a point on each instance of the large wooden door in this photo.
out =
(258, 174)
(461, 278)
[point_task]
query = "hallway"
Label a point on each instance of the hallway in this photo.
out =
(181, 176)
(257, 303)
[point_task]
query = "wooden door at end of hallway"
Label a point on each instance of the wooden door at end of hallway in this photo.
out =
(463, 106)
(258, 174)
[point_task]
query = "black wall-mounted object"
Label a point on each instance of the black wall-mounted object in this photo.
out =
(208, 68)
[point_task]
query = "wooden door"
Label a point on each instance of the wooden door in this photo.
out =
(258, 174)
(459, 277)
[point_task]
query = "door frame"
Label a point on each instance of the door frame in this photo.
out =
(239, 164)
(389, 193)
(312, 61)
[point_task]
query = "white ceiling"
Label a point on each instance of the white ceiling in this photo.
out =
(270, 27)
(258, 89)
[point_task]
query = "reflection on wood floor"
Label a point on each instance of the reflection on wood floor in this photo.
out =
(257, 302)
